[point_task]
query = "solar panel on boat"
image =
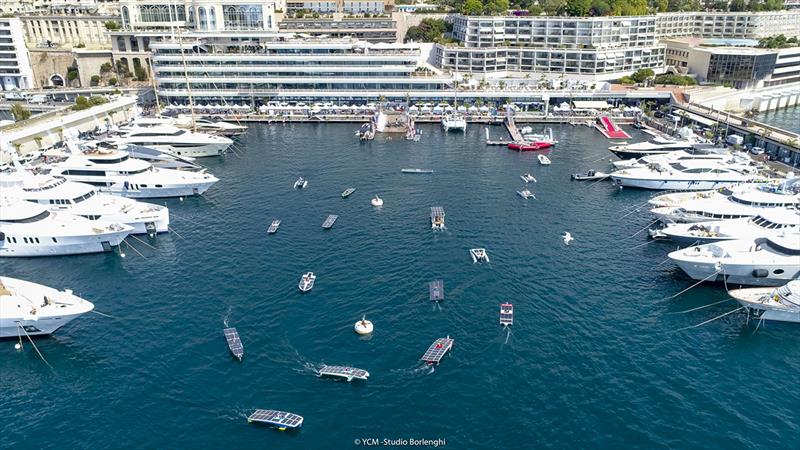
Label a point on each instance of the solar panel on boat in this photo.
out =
(344, 372)
(280, 419)
(506, 314)
(330, 221)
(437, 350)
(234, 342)
(436, 289)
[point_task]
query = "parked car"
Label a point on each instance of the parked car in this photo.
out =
(757, 151)
(38, 99)
(14, 96)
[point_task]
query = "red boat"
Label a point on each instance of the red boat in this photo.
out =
(529, 146)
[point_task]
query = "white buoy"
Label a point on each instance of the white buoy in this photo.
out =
(363, 326)
(17, 346)
(567, 237)
(377, 201)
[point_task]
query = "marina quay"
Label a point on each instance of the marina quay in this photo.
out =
(318, 224)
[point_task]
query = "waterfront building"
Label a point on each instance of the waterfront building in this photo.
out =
(15, 65)
(379, 28)
(733, 25)
(733, 62)
(340, 6)
(254, 66)
(68, 25)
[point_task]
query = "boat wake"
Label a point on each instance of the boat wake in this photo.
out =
(227, 316)
(508, 336)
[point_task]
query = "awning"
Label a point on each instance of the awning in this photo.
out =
(592, 104)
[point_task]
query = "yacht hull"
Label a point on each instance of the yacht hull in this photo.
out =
(740, 274)
(65, 245)
(9, 327)
(679, 185)
(137, 191)
(200, 151)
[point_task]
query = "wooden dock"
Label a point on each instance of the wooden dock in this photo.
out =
(516, 135)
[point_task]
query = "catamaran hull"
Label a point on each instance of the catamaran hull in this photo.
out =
(69, 245)
(43, 326)
(678, 185)
(741, 274)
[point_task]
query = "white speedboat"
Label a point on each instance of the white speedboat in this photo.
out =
(735, 203)
(307, 282)
(174, 140)
(780, 304)
(543, 160)
(528, 178)
(58, 194)
(590, 175)
(657, 145)
(29, 229)
(770, 261)
(300, 183)
(694, 176)
(479, 255)
(117, 173)
(34, 309)
(770, 222)
(454, 122)
(526, 194)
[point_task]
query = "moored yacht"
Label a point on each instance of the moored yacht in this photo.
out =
(543, 140)
(117, 173)
(454, 122)
(58, 194)
(770, 222)
(687, 176)
(29, 229)
(33, 309)
(680, 156)
(207, 125)
(174, 140)
(769, 261)
(657, 145)
(780, 304)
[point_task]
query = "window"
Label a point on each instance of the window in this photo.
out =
(243, 17)
(41, 216)
(54, 240)
(212, 18)
(201, 15)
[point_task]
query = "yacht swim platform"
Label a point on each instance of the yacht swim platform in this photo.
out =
(437, 217)
(348, 373)
(436, 289)
(278, 419)
(273, 227)
(437, 350)
(416, 170)
(506, 314)
(234, 342)
(329, 221)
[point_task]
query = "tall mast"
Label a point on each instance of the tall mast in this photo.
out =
(185, 70)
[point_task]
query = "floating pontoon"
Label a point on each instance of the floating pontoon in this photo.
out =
(437, 350)
(348, 373)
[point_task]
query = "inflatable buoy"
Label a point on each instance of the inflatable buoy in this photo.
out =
(377, 201)
(363, 326)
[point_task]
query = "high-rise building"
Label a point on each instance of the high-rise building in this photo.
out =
(15, 66)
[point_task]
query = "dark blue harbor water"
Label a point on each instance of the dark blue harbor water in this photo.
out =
(595, 358)
(786, 118)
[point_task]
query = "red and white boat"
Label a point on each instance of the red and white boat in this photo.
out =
(544, 140)
(525, 146)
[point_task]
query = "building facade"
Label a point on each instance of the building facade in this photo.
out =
(372, 29)
(737, 25)
(340, 6)
(68, 26)
(15, 66)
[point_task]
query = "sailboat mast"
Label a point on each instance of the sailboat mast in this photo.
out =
(186, 75)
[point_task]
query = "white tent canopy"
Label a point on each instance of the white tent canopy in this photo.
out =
(592, 104)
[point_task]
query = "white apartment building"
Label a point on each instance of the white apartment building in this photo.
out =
(340, 6)
(15, 66)
(738, 25)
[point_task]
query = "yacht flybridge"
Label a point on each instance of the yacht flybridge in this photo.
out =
(174, 140)
(29, 229)
(211, 126)
(681, 156)
(32, 309)
(657, 145)
(770, 222)
(763, 261)
(115, 172)
(686, 176)
(58, 194)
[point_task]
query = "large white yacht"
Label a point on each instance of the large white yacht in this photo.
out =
(770, 222)
(29, 229)
(34, 309)
(779, 304)
(769, 261)
(656, 146)
(733, 203)
(680, 156)
(211, 126)
(58, 194)
(115, 172)
(686, 176)
(175, 140)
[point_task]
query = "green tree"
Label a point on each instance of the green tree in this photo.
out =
(72, 74)
(112, 25)
(105, 67)
(553, 7)
(81, 103)
(494, 7)
(642, 74)
(95, 80)
(113, 81)
(20, 112)
(737, 5)
(472, 8)
(577, 7)
(600, 8)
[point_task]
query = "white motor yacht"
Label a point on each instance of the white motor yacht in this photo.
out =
(679, 156)
(207, 125)
(770, 222)
(723, 204)
(117, 173)
(543, 160)
(770, 261)
(58, 194)
(34, 309)
(686, 176)
(29, 229)
(307, 282)
(174, 140)
(657, 145)
(454, 122)
(780, 304)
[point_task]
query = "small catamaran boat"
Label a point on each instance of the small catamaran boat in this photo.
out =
(506, 314)
(348, 192)
(437, 350)
(528, 178)
(307, 282)
(479, 255)
(301, 183)
(590, 176)
(329, 221)
(347, 373)
(436, 290)
(437, 218)
(543, 160)
(273, 227)
(526, 194)
(278, 419)
(234, 342)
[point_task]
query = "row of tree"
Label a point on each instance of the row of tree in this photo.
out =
(606, 7)
(779, 41)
